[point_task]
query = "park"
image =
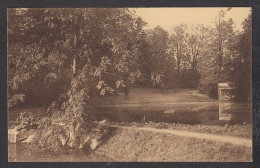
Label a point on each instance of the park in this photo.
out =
(95, 84)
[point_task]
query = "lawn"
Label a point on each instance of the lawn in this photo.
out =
(151, 95)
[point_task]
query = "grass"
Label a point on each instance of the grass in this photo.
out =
(151, 95)
(133, 145)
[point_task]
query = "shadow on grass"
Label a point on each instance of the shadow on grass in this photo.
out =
(107, 133)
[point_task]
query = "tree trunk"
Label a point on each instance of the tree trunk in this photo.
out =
(74, 66)
(219, 47)
(76, 39)
(178, 58)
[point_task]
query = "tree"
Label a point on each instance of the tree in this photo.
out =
(162, 63)
(76, 49)
(178, 40)
(218, 57)
(225, 37)
(207, 65)
(39, 33)
(186, 44)
(242, 73)
(68, 39)
(195, 43)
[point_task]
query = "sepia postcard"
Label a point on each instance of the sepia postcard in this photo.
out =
(169, 84)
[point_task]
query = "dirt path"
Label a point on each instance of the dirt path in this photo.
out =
(137, 104)
(212, 137)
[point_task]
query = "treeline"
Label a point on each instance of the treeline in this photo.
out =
(73, 54)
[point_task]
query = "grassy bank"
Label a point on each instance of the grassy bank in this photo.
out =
(136, 145)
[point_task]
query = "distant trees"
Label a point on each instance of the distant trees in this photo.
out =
(161, 62)
(195, 43)
(178, 40)
(186, 45)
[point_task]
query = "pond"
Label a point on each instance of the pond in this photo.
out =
(184, 107)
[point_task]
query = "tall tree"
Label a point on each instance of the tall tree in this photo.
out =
(225, 37)
(178, 40)
(242, 63)
(68, 39)
(162, 63)
(75, 48)
(218, 58)
(195, 43)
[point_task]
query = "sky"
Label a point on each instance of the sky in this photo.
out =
(167, 18)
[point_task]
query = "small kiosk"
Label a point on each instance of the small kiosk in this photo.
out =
(225, 96)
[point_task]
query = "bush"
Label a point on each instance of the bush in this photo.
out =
(189, 78)
(210, 89)
(213, 90)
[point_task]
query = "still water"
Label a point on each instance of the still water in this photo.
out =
(23, 153)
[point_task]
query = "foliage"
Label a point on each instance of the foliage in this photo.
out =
(187, 45)
(27, 120)
(189, 78)
(72, 51)
(42, 53)
(178, 40)
(222, 57)
(161, 62)
(242, 73)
